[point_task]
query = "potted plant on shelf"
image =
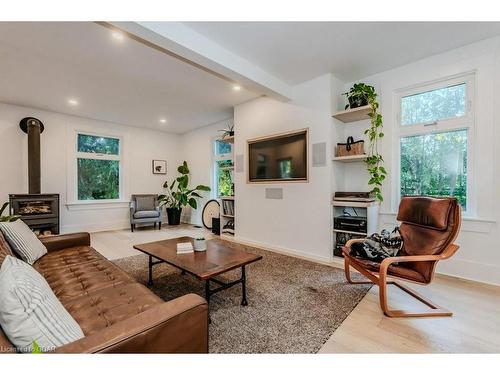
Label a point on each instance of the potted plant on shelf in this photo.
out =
(7, 218)
(361, 94)
(179, 195)
(358, 95)
(229, 132)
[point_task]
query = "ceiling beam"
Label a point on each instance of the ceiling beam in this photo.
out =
(182, 42)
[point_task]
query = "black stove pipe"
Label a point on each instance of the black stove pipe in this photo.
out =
(33, 127)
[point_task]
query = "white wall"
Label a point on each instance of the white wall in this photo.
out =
(142, 146)
(198, 151)
(479, 255)
(301, 221)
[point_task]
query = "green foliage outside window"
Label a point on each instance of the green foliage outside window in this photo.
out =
(98, 179)
(442, 103)
(435, 165)
(98, 145)
(224, 180)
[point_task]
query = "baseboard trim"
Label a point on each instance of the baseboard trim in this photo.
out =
(449, 269)
(286, 251)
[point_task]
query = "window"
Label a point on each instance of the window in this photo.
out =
(435, 123)
(223, 168)
(98, 167)
(439, 104)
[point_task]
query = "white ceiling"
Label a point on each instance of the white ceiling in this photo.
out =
(42, 65)
(298, 51)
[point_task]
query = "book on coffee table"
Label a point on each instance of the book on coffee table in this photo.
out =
(184, 248)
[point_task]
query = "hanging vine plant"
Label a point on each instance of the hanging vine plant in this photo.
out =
(362, 94)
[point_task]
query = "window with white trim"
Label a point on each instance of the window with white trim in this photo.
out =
(223, 168)
(98, 167)
(435, 125)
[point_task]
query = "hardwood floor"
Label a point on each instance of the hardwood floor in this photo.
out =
(472, 329)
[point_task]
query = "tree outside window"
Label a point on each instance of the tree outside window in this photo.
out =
(98, 167)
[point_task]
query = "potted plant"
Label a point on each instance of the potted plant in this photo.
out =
(7, 218)
(200, 244)
(179, 195)
(358, 95)
(362, 94)
(229, 132)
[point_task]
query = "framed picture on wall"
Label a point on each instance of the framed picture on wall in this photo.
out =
(159, 167)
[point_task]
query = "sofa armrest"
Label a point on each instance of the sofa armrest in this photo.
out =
(177, 326)
(63, 241)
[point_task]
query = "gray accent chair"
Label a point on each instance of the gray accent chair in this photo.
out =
(144, 209)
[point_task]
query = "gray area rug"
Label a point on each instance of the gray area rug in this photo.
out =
(294, 305)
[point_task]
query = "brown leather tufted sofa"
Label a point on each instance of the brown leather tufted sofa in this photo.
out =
(116, 313)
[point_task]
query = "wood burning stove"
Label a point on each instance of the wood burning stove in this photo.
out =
(39, 211)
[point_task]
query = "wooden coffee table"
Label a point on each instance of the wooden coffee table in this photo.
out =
(220, 257)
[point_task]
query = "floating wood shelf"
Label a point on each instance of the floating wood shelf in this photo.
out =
(227, 168)
(224, 215)
(352, 115)
(228, 139)
(353, 204)
(228, 198)
(350, 159)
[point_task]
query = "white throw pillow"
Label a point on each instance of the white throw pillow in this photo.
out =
(23, 241)
(30, 311)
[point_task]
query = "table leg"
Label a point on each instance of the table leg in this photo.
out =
(243, 287)
(207, 297)
(150, 280)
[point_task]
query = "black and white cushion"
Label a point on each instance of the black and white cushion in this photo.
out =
(23, 241)
(29, 310)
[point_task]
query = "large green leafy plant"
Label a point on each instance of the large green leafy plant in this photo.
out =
(178, 194)
(4, 218)
(361, 93)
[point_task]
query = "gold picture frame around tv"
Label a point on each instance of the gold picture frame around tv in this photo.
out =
(279, 158)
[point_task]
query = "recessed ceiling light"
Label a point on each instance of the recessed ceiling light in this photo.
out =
(236, 87)
(163, 120)
(72, 101)
(118, 35)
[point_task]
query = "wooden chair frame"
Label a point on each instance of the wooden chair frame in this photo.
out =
(380, 279)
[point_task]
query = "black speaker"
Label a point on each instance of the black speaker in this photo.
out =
(216, 225)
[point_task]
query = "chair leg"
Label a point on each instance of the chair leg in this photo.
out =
(436, 311)
(154, 225)
(159, 225)
(132, 226)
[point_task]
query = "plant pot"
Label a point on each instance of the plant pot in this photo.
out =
(199, 245)
(357, 101)
(231, 133)
(174, 216)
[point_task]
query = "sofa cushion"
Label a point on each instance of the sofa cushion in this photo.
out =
(105, 307)
(146, 214)
(23, 241)
(79, 271)
(30, 311)
(67, 257)
(145, 203)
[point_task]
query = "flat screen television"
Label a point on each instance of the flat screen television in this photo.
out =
(280, 157)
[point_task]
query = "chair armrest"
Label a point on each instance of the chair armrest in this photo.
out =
(448, 252)
(346, 248)
(63, 241)
(354, 240)
(177, 326)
